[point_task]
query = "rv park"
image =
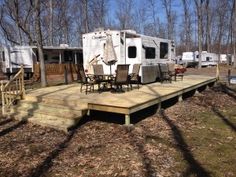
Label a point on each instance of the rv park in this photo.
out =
(95, 88)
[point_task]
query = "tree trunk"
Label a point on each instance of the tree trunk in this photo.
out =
(39, 43)
(187, 26)
(198, 4)
(234, 36)
(85, 16)
(208, 36)
(51, 23)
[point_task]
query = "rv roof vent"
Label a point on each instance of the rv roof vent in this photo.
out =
(64, 45)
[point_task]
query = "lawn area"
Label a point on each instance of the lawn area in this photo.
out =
(195, 137)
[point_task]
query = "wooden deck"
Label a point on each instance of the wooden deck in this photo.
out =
(123, 103)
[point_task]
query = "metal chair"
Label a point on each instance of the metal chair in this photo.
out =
(134, 77)
(87, 81)
(165, 74)
(122, 73)
(171, 68)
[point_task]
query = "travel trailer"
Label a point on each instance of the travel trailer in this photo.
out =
(191, 59)
(11, 58)
(129, 48)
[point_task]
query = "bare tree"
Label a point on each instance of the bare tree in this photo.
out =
(199, 4)
(187, 24)
(171, 17)
(98, 13)
(27, 17)
(234, 34)
(125, 14)
(85, 15)
(153, 28)
(20, 13)
(208, 24)
(51, 22)
(39, 40)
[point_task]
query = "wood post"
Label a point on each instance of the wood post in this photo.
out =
(88, 112)
(22, 83)
(127, 119)
(159, 107)
(217, 72)
(3, 102)
(180, 98)
(196, 91)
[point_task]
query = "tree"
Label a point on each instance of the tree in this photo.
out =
(234, 34)
(171, 18)
(25, 15)
(124, 14)
(187, 24)
(208, 24)
(39, 41)
(199, 4)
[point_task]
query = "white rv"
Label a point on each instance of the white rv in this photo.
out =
(130, 48)
(12, 58)
(189, 59)
(192, 59)
(208, 59)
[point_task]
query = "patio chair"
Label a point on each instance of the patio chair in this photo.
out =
(171, 68)
(86, 80)
(134, 76)
(176, 72)
(122, 73)
(165, 74)
(100, 77)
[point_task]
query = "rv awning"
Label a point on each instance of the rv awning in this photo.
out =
(59, 48)
(130, 35)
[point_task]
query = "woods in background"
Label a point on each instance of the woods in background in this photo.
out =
(194, 25)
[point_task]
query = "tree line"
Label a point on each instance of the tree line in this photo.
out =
(193, 24)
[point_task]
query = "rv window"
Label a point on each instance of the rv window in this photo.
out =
(163, 50)
(150, 52)
(3, 56)
(208, 58)
(132, 52)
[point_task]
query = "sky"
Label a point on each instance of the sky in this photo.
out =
(177, 7)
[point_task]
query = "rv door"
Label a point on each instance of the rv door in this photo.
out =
(133, 51)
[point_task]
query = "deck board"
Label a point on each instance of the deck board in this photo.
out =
(124, 103)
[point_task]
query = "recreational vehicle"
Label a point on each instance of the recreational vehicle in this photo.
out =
(191, 59)
(129, 48)
(11, 58)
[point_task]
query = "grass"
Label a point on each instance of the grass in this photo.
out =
(212, 143)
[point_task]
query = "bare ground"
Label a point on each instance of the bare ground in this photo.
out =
(195, 137)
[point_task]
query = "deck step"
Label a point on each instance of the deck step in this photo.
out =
(57, 101)
(48, 120)
(57, 116)
(50, 109)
